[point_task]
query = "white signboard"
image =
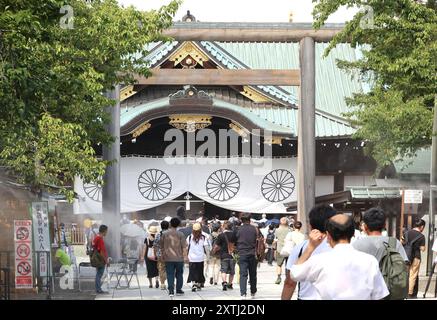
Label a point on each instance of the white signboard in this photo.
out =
(413, 196)
(23, 254)
(41, 235)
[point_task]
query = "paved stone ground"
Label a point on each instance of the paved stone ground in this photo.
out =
(267, 290)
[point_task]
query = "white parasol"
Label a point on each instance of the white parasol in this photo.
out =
(132, 230)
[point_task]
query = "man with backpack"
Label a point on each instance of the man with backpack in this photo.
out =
(99, 257)
(388, 251)
(414, 243)
(225, 246)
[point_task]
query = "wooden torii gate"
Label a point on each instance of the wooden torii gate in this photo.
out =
(232, 32)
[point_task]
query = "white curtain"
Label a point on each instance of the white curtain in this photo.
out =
(257, 185)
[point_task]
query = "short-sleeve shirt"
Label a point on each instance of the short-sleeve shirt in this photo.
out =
(307, 291)
(374, 245)
(246, 240)
(221, 241)
(99, 245)
(343, 274)
(420, 242)
(197, 250)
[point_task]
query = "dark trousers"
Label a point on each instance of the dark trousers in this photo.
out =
(174, 269)
(270, 255)
(99, 275)
(247, 267)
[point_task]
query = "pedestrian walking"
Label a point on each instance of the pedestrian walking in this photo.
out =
(198, 247)
(214, 257)
(281, 233)
(389, 252)
(342, 273)
(292, 239)
(174, 250)
(225, 246)
(414, 244)
(318, 217)
(161, 264)
(99, 257)
(270, 240)
(150, 257)
(247, 236)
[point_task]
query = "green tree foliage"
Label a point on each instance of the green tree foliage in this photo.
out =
(398, 41)
(53, 72)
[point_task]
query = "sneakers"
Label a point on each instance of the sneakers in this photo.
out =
(225, 286)
(211, 281)
(243, 297)
(171, 294)
(194, 288)
(230, 286)
(278, 281)
(179, 292)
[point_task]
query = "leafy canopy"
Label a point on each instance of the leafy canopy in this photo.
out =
(398, 41)
(53, 72)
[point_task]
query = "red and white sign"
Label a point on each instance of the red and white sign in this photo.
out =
(23, 254)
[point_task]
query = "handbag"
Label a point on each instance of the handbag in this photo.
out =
(151, 255)
(286, 249)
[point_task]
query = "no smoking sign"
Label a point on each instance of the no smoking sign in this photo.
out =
(22, 233)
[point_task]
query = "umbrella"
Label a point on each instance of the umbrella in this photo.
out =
(132, 230)
(275, 221)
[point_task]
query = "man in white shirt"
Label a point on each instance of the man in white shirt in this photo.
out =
(343, 273)
(318, 216)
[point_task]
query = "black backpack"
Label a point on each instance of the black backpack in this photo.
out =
(270, 238)
(408, 246)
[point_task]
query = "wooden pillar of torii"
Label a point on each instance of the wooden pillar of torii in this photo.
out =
(235, 32)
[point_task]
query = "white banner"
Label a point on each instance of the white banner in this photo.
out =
(257, 185)
(23, 254)
(41, 235)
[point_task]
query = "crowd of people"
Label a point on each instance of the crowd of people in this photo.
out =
(334, 262)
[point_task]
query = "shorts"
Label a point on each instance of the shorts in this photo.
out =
(227, 266)
(280, 259)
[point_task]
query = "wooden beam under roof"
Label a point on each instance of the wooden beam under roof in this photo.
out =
(250, 32)
(221, 77)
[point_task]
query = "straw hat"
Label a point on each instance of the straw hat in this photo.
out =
(153, 230)
(197, 226)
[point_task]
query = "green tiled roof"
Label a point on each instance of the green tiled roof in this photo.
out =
(374, 192)
(278, 119)
(332, 84)
(420, 164)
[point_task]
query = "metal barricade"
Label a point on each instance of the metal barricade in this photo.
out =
(44, 272)
(5, 275)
